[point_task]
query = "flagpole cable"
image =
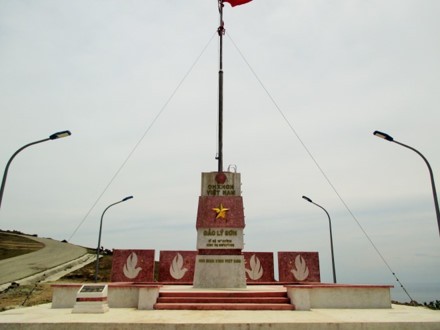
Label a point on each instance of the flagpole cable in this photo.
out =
(317, 165)
(165, 105)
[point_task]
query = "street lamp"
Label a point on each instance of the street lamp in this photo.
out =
(54, 136)
(100, 230)
(331, 236)
(434, 192)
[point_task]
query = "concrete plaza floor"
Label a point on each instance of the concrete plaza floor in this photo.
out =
(397, 317)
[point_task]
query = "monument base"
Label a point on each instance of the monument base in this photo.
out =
(219, 271)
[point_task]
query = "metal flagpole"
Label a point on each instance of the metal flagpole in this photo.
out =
(221, 32)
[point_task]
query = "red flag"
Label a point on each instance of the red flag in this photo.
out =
(234, 3)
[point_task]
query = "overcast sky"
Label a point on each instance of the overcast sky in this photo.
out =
(337, 70)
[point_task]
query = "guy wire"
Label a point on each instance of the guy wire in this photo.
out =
(317, 165)
(143, 135)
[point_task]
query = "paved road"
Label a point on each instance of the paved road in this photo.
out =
(53, 253)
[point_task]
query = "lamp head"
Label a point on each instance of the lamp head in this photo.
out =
(127, 198)
(383, 135)
(59, 135)
(307, 199)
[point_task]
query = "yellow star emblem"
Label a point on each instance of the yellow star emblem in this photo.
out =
(220, 211)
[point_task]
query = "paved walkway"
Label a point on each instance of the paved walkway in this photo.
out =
(53, 253)
(398, 317)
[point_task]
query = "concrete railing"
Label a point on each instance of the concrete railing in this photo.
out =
(306, 297)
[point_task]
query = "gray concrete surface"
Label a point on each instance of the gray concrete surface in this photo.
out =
(398, 317)
(54, 253)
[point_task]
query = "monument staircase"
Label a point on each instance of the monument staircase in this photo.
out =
(223, 300)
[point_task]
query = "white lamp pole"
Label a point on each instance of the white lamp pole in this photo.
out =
(331, 236)
(54, 136)
(99, 238)
(387, 137)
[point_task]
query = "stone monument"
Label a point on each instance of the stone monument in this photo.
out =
(220, 224)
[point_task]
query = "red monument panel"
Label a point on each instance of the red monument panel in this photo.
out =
(259, 267)
(299, 267)
(177, 266)
(133, 266)
(220, 212)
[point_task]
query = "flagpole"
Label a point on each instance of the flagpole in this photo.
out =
(221, 32)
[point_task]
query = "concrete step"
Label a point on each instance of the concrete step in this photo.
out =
(238, 300)
(223, 294)
(223, 300)
(223, 306)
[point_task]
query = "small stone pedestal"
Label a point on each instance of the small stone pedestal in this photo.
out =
(220, 224)
(91, 299)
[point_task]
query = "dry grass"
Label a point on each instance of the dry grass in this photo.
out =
(13, 246)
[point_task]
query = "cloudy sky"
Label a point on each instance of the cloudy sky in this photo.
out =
(306, 84)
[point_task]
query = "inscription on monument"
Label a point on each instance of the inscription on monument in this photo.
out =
(219, 232)
(220, 238)
(228, 185)
(221, 190)
(220, 261)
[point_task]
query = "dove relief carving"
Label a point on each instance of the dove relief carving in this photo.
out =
(256, 270)
(302, 271)
(130, 270)
(176, 269)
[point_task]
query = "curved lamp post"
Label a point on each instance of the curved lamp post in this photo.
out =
(434, 192)
(331, 236)
(54, 136)
(100, 230)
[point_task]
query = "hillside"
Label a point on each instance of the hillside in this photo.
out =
(13, 246)
(39, 293)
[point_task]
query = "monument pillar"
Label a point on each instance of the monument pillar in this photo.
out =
(220, 224)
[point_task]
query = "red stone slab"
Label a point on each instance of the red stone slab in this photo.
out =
(177, 266)
(298, 267)
(224, 300)
(259, 267)
(225, 306)
(233, 212)
(133, 266)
